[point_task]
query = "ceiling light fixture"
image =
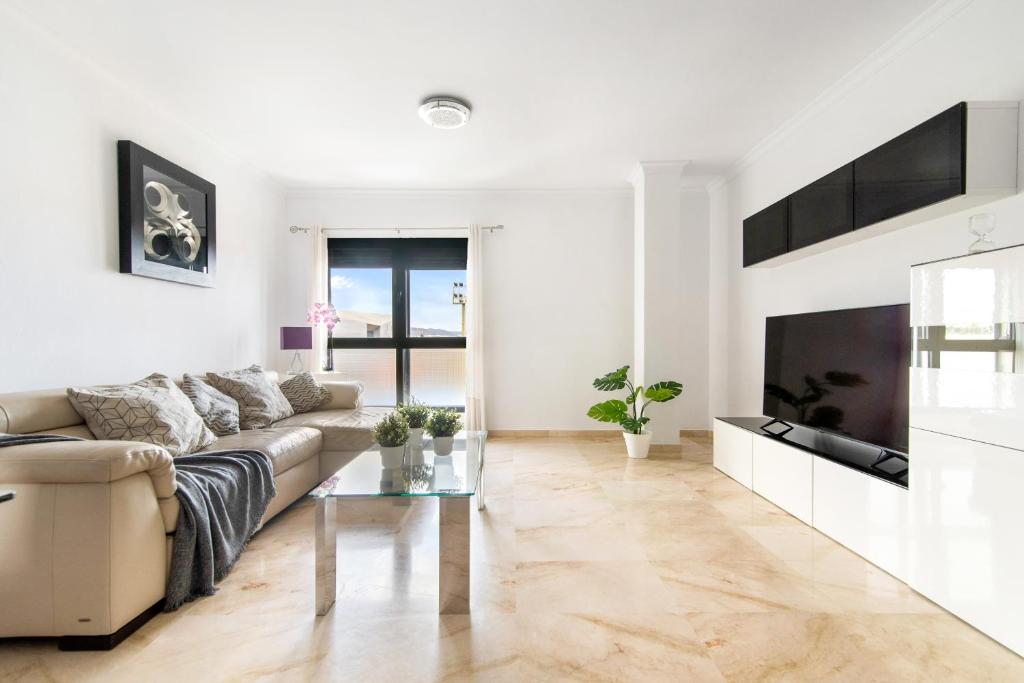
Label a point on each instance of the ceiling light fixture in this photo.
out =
(444, 112)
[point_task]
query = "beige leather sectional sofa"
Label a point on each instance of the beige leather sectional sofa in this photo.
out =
(85, 545)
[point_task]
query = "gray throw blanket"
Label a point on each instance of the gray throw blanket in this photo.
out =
(223, 496)
(26, 439)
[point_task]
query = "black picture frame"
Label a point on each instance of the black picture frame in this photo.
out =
(172, 240)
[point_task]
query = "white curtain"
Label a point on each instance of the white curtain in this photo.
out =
(476, 418)
(318, 291)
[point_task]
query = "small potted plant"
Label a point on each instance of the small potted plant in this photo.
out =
(416, 414)
(392, 433)
(442, 425)
(625, 414)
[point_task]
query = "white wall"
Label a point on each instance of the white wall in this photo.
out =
(977, 54)
(66, 315)
(557, 282)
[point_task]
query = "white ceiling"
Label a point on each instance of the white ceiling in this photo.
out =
(565, 93)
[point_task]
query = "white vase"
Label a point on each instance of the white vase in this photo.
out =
(392, 456)
(637, 445)
(443, 445)
(416, 437)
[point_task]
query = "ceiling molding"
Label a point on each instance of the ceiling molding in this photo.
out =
(428, 192)
(921, 27)
(646, 168)
(718, 182)
(698, 183)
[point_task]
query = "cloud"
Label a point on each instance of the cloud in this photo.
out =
(341, 282)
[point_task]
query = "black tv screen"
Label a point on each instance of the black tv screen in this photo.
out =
(845, 372)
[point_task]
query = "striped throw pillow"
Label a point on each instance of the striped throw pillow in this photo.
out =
(304, 392)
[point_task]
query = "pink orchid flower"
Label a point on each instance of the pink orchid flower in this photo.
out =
(323, 314)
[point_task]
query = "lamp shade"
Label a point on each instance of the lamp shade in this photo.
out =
(296, 338)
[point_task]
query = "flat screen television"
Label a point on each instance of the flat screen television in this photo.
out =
(844, 372)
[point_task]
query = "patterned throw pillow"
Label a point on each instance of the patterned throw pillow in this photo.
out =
(304, 392)
(260, 401)
(153, 410)
(219, 411)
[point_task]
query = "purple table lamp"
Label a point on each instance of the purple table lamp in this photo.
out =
(296, 339)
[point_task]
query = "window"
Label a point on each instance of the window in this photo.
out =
(402, 307)
(362, 297)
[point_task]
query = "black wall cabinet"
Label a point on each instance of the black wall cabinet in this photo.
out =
(765, 234)
(821, 210)
(927, 164)
(923, 166)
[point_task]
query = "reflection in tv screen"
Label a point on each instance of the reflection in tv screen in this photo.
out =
(845, 372)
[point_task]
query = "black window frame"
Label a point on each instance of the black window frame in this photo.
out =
(401, 255)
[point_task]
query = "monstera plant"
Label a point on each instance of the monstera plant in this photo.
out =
(626, 413)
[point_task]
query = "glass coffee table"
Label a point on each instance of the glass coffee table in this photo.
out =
(452, 479)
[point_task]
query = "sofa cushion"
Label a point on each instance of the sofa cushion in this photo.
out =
(153, 410)
(343, 430)
(285, 446)
(344, 394)
(218, 410)
(24, 412)
(304, 393)
(87, 462)
(260, 401)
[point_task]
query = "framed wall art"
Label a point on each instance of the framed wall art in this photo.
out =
(168, 218)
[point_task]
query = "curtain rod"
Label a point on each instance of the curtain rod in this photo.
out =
(305, 229)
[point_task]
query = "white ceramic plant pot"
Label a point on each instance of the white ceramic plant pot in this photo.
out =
(443, 444)
(637, 445)
(416, 437)
(392, 456)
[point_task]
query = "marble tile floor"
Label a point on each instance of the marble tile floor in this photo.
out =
(586, 566)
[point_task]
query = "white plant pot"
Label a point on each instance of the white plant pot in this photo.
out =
(416, 437)
(443, 444)
(392, 457)
(637, 445)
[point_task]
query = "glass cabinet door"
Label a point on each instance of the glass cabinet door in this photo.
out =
(765, 234)
(822, 209)
(923, 166)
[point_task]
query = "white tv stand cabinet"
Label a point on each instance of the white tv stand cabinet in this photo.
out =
(865, 513)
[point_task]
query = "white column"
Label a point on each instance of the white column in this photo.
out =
(658, 323)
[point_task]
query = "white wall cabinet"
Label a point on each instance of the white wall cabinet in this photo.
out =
(783, 475)
(967, 544)
(867, 515)
(971, 293)
(967, 440)
(732, 452)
